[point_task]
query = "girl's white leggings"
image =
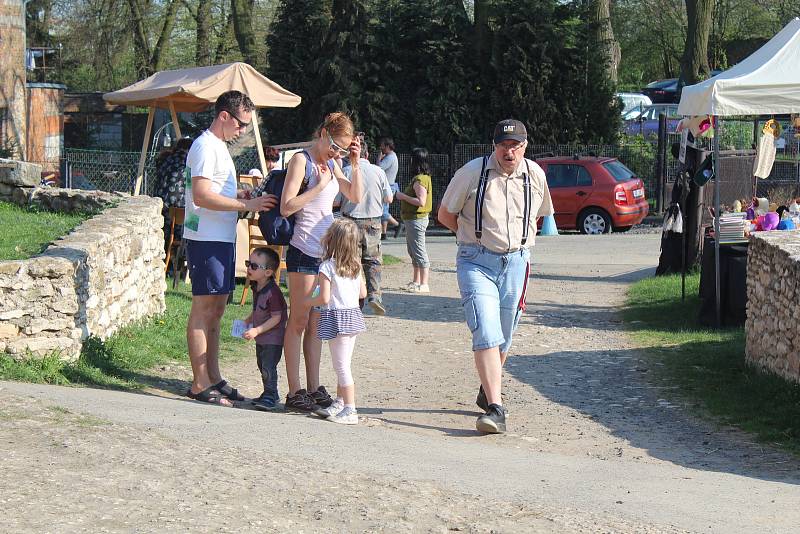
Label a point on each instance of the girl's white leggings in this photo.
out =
(342, 354)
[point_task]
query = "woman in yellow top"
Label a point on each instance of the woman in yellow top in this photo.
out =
(415, 208)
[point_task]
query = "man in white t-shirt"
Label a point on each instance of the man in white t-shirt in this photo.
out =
(209, 228)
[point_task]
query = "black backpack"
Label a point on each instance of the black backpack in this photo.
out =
(277, 229)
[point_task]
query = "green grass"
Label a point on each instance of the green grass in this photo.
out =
(388, 259)
(28, 232)
(708, 365)
(122, 361)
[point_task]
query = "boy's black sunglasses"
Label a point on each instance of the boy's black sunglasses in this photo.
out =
(251, 265)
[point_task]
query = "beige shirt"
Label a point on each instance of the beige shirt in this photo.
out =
(503, 206)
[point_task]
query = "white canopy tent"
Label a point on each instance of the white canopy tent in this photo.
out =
(194, 90)
(766, 83)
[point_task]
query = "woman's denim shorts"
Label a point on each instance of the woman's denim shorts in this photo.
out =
(298, 262)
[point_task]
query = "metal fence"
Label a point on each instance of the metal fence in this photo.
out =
(116, 171)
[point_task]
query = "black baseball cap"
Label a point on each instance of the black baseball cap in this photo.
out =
(510, 129)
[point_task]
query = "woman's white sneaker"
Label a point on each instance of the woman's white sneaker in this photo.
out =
(412, 287)
(423, 288)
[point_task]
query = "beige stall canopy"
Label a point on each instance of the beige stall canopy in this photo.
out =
(194, 90)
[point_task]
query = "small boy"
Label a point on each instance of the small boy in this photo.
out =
(268, 320)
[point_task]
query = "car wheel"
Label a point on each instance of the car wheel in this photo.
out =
(622, 228)
(594, 221)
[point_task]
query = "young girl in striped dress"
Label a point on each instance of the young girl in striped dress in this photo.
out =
(340, 287)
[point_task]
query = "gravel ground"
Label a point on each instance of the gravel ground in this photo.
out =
(595, 443)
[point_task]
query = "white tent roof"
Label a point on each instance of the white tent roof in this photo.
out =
(767, 82)
(194, 89)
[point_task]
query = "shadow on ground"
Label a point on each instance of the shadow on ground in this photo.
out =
(615, 389)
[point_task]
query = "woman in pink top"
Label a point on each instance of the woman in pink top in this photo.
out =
(313, 211)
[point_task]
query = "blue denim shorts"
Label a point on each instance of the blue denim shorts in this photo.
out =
(492, 289)
(212, 267)
(299, 262)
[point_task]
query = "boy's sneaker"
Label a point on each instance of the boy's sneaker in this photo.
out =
(331, 410)
(263, 404)
(376, 306)
(493, 421)
(423, 288)
(300, 402)
(347, 416)
(412, 287)
(321, 397)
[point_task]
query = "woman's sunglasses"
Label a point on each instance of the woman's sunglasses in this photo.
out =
(342, 152)
(255, 266)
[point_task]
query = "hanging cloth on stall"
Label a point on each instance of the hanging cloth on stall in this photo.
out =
(765, 152)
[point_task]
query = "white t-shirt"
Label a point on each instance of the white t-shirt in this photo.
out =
(209, 158)
(344, 291)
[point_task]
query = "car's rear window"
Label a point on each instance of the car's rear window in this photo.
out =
(619, 171)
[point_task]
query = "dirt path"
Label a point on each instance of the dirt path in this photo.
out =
(593, 444)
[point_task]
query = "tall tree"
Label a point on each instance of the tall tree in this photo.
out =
(149, 57)
(294, 46)
(694, 63)
(242, 15)
(604, 32)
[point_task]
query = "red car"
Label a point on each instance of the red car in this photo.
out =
(594, 194)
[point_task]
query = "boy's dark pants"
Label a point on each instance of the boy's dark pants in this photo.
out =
(267, 358)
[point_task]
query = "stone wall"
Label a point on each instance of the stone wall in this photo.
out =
(773, 307)
(107, 273)
(19, 184)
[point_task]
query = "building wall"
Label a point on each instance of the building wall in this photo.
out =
(45, 124)
(12, 77)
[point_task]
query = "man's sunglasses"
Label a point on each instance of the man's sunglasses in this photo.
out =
(239, 122)
(255, 266)
(339, 150)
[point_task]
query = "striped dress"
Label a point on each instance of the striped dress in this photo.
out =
(342, 316)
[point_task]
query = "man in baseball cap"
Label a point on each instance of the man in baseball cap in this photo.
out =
(492, 204)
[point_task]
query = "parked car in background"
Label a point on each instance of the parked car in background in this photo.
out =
(645, 121)
(662, 91)
(631, 101)
(594, 195)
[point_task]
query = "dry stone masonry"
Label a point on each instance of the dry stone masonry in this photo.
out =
(773, 305)
(107, 273)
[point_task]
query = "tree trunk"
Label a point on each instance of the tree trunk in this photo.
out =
(202, 51)
(242, 15)
(157, 57)
(482, 38)
(694, 63)
(601, 14)
(149, 60)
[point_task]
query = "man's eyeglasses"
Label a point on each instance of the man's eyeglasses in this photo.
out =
(239, 122)
(339, 150)
(255, 266)
(511, 148)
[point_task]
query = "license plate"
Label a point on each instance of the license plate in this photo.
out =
(638, 193)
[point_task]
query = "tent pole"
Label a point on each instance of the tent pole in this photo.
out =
(175, 123)
(145, 145)
(260, 149)
(717, 130)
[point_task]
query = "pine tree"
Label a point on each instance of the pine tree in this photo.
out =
(294, 46)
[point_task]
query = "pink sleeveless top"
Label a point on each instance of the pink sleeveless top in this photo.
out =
(314, 219)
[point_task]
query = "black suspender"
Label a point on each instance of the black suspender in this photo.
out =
(480, 194)
(526, 214)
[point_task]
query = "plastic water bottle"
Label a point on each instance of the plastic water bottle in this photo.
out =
(167, 139)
